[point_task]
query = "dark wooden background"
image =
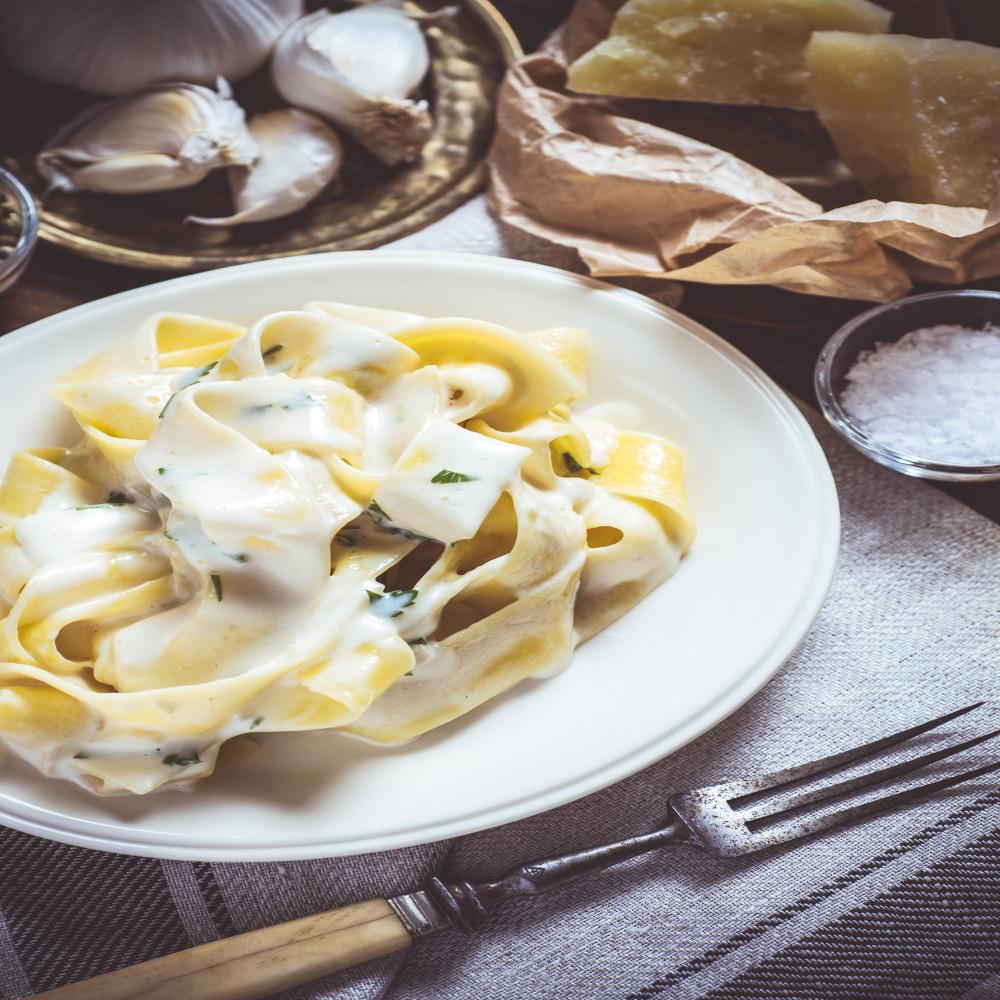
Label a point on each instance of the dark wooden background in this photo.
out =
(782, 331)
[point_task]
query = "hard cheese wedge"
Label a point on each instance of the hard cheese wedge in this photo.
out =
(722, 51)
(915, 119)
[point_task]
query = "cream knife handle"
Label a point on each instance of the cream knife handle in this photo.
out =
(257, 964)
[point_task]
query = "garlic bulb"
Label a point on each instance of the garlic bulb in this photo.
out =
(358, 69)
(169, 135)
(299, 156)
(116, 46)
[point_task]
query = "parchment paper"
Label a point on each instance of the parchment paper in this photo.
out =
(709, 193)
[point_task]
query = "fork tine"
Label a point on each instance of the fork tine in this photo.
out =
(795, 829)
(770, 810)
(788, 775)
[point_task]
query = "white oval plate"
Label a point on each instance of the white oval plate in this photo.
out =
(692, 652)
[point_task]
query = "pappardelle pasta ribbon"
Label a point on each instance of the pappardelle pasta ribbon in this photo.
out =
(340, 518)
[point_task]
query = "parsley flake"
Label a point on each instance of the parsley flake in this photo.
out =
(392, 603)
(256, 408)
(217, 584)
(188, 380)
(448, 476)
(573, 466)
(256, 722)
(200, 373)
(272, 350)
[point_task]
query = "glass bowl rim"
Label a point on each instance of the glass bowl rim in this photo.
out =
(846, 426)
(28, 210)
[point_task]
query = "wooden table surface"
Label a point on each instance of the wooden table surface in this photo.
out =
(782, 331)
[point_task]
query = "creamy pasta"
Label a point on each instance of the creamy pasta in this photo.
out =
(341, 518)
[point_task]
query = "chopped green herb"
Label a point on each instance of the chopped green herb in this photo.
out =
(203, 371)
(301, 401)
(256, 722)
(417, 642)
(392, 603)
(217, 584)
(188, 380)
(272, 350)
(447, 476)
(573, 466)
(107, 505)
(167, 534)
(162, 470)
(240, 557)
(182, 759)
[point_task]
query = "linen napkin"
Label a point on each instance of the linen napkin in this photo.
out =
(905, 907)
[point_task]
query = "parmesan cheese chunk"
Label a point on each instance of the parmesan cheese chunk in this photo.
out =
(721, 51)
(915, 119)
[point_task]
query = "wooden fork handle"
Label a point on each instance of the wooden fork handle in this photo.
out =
(257, 964)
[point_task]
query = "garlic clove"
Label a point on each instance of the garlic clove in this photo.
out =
(136, 172)
(117, 46)
(358, 69)
(167, 136)
(350, 41)
(299, 156)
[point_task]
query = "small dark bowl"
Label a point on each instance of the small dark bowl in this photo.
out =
(971, 308)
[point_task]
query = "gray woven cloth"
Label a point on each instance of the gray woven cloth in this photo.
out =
(906, 907)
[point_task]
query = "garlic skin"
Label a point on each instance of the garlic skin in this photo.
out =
(299, 156)
(358, 69)
(168, 136)
(117, 46)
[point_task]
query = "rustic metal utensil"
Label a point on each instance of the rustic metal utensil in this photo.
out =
(725, 820)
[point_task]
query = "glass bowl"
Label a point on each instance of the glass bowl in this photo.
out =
(13, 265)
(972, 308)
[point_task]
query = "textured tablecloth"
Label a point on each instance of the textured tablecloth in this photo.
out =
(906, 907)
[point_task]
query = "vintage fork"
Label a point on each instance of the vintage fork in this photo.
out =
(725, 820)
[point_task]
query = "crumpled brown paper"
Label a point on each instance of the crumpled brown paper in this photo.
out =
(668, 191)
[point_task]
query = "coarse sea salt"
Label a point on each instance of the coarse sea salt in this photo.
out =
(933, 394)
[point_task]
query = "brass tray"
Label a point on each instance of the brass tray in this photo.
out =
(368, 205)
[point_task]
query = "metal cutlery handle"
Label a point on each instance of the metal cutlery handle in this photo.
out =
(267, 961)
(468, 902)
(257, 964)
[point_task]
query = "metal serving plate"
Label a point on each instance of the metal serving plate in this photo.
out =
(370, 204)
